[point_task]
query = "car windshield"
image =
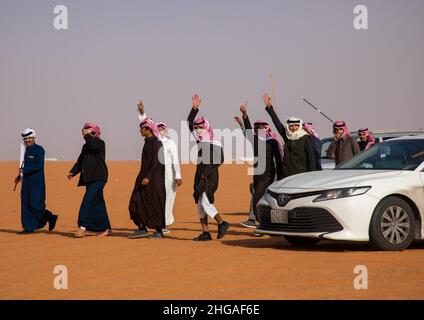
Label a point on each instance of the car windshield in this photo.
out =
(389, 155)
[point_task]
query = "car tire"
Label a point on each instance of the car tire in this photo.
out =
(392, 225)
(301, 241)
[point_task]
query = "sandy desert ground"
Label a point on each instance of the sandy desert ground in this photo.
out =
(240, 266)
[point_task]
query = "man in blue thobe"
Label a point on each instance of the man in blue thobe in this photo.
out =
(34, 214)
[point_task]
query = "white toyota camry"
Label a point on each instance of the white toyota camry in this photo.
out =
(378, 196)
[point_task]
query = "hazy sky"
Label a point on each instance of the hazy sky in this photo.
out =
(116, 52)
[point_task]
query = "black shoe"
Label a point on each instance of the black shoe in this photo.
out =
(223, 229)
(157, 235)
(138, 234)
(204, 236)
(52, 222)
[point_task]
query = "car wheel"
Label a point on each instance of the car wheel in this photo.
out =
(392, 225)
(301, 241)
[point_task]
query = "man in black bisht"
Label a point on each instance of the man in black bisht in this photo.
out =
(93, 172)
(268, 151)
(298, 151)
(147, 203)
(210, 157)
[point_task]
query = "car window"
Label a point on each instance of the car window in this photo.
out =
(389, 155)
(325, 145)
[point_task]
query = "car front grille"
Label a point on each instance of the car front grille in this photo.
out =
(301, 220)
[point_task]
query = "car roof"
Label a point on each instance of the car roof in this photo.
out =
(398, 133)
(393, 133)
(418, 137)
(416, 131)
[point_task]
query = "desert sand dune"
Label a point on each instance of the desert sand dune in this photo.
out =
(240, 266)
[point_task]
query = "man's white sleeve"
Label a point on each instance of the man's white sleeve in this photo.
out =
(175, 161)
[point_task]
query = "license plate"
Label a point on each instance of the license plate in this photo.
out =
(280, 216)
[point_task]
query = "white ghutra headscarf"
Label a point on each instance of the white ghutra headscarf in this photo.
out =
(27, 133)
(299, 133)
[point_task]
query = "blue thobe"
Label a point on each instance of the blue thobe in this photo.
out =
(33, 192)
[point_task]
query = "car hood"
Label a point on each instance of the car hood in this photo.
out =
(330, 179)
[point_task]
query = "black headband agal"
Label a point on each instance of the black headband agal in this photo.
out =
(197, 124)
(339, 125)
(261, 123)
(293, 121)
(27, 134)
(144, 125)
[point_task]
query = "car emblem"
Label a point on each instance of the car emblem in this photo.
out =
(283, 199)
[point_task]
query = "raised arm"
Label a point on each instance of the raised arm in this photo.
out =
(246, 122)
(277, 123)
(194, 111)
(141, 114)
(94, 145)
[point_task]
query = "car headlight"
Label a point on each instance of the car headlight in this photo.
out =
(341, 193)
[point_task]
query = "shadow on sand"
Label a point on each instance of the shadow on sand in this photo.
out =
(213, 231)
(253, 242)
(58, 233)
(279, 243)
(245, 214)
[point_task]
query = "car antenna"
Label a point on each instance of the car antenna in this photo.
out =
(322, 113)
